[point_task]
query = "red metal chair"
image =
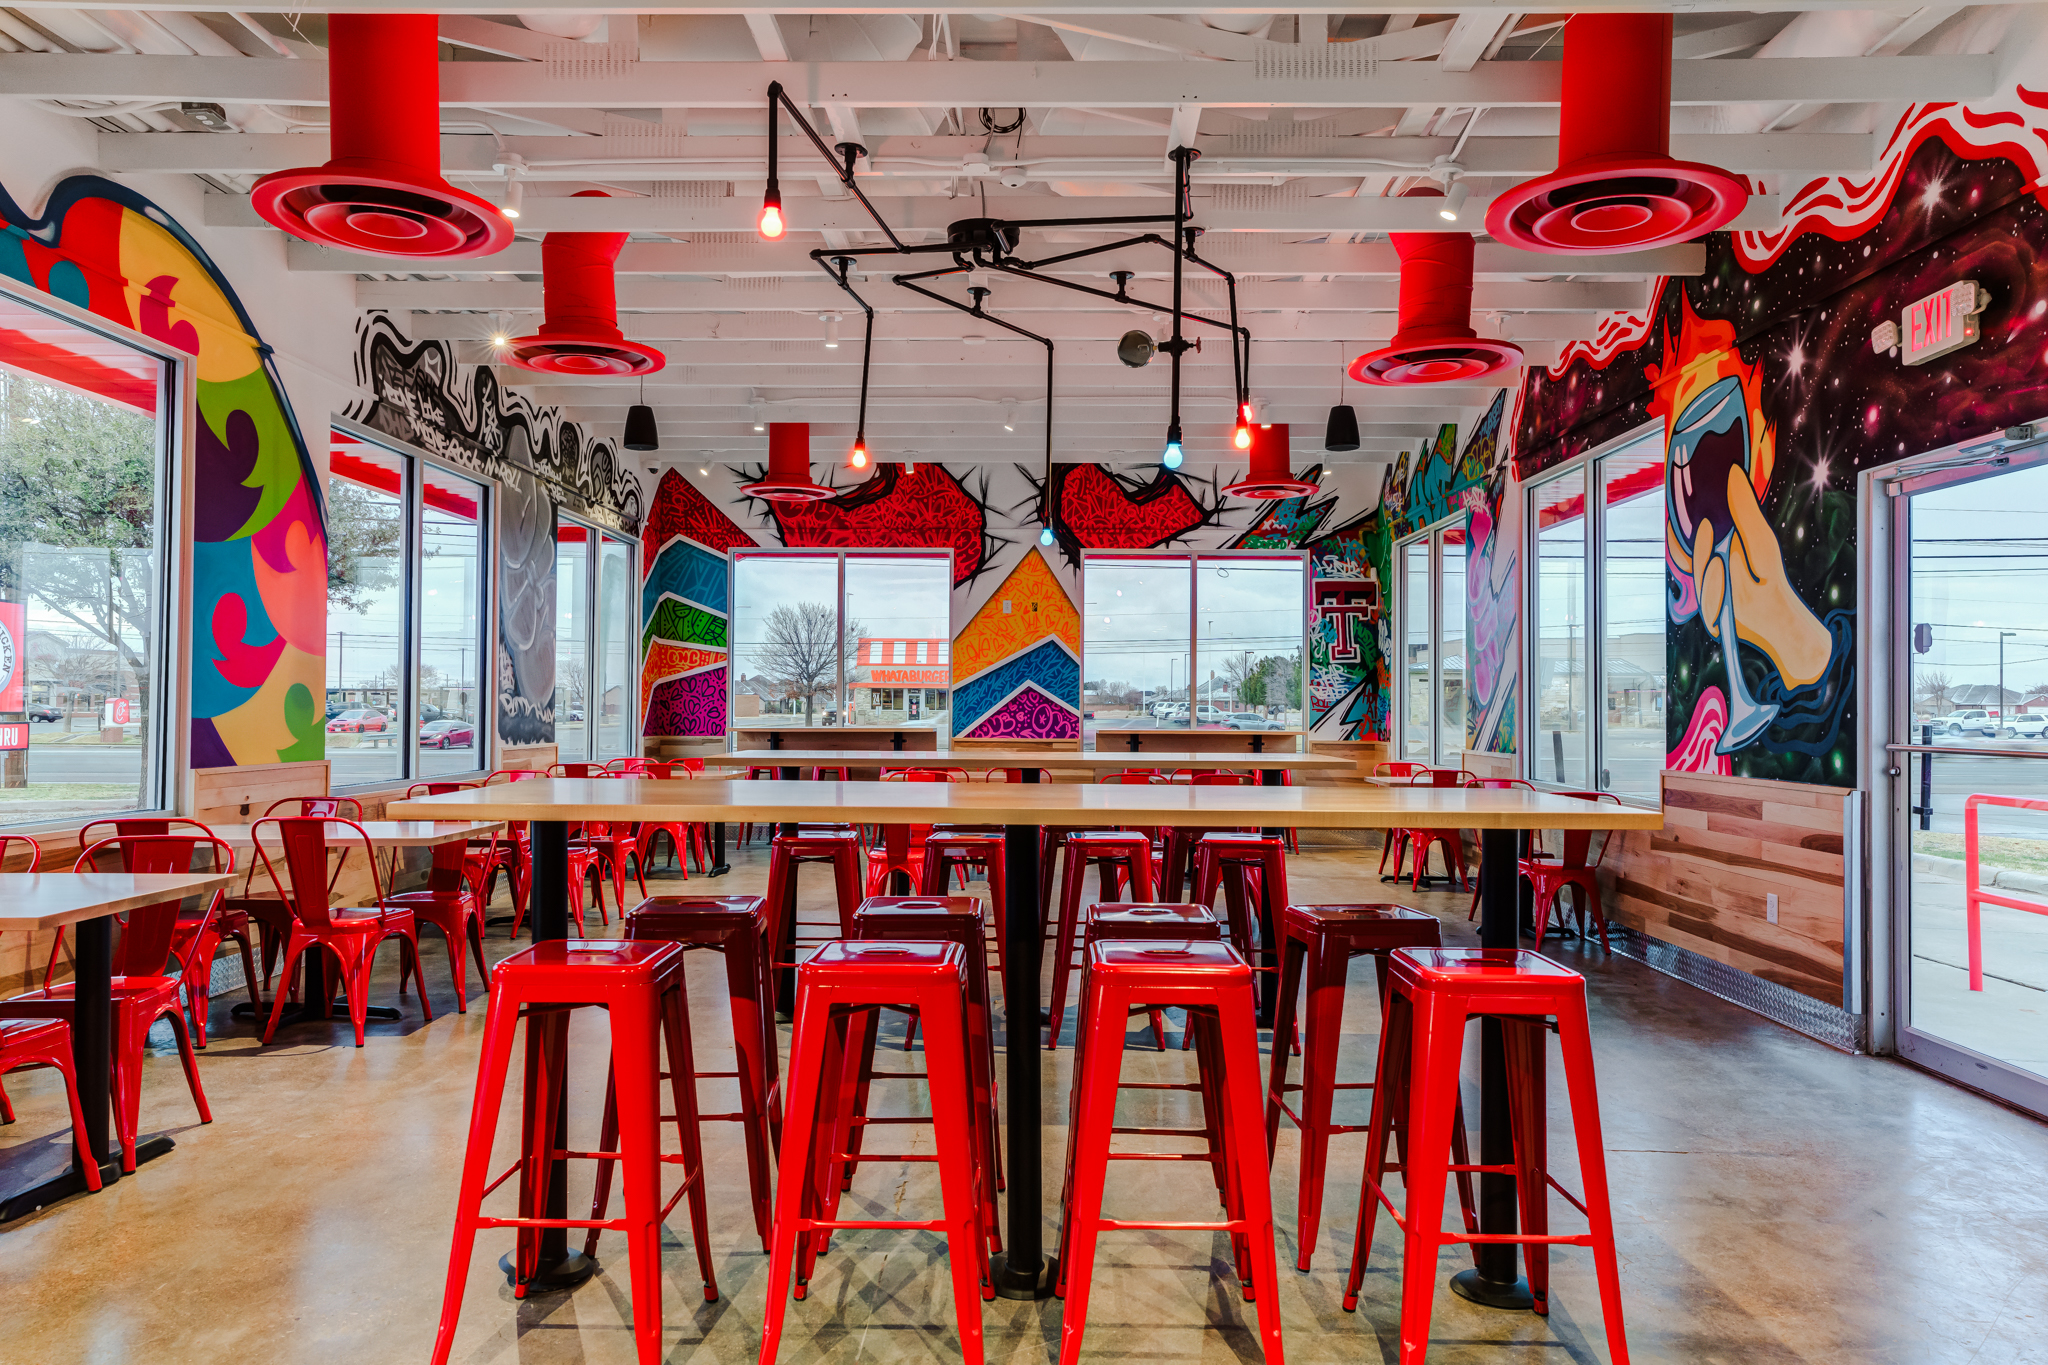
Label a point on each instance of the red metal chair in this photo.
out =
(31, 1043)
(352, 936)
(579, 770)
(452, 902)
(271, 916)
(626, 767)
(142, 988)
(1015, 774)
(515, 849)
(1431, 995)
(1396, 844)
(1549, 876)
(1500, 784)
(1420, 840)
(683, 839)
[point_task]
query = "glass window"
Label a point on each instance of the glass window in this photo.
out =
(406, 662)
(616, 648)
(1632, 611)
(1415, 654)
(1135, 648)
(451, 624)
(1559, 678)
(1249, 627)
(81, 577)
(1192, 642)
(898, 628)
(572, 640)
(1450, 630)
(1430, 709)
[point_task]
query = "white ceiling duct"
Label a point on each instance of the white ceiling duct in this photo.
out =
(562, 23)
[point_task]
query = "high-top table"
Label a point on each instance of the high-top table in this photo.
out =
(1024, 809)
(36, 901)
(791, 762)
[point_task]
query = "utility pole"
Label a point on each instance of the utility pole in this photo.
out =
(2002, 636)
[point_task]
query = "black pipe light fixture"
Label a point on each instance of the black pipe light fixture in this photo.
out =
(640, 428)
(1341, 433)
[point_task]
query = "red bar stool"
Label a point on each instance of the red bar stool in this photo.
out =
(938, 919)
(736, 927)
(836, 985)
(788, 852)
(1431, 992)
(946, 849)
(641, 986)
(1051, 840)
(1152, 921)
(1251, 870)
(1118, 856)
(1321, 940)
(1214, 984)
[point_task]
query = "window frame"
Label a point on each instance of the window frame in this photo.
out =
(593, 571)
(167, 755)
(1195, 559)
(1397, 710)
(839, 555)
(1594, 542)
(413, 512)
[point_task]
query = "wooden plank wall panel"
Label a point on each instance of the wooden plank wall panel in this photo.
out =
(236, 796)
(1728, 842)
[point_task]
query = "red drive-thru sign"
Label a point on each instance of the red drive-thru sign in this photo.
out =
(13, 659)
(13, 736)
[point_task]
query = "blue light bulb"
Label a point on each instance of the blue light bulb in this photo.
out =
(1045, 536)
(1172, 458)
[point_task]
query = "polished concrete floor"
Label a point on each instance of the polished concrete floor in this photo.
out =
(1776, 1201)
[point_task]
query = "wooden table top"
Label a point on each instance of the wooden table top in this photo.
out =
(383, 833)
(980, 760)
(44, 900)
(1019, 803)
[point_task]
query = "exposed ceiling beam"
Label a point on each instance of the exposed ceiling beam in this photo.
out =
(500, 40)
(768, 37)
(910, 85)
(1471, 35)
(665, 155)
(1279, 213)
(964, 7)
(1171, 35)
(1727, 38)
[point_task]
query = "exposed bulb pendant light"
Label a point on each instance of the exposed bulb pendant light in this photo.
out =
(771, 202)
(1242, 438)
(382, 191)
(1271, 474)
(831, 331)
(1434, 342)
(1616, 186)
(580, 296)
(514, 166)
(1341, 431)
(859, 458)
(640, 429)
(1172, 456)
(789, 467)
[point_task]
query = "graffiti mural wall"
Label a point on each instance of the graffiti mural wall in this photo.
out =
(259, 577)
(1773, 398)
(1016, 628)
(459, 413)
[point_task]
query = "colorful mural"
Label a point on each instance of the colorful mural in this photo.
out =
(1493, 585)
(684, 612)
(259, 569)
(460, 413)
(1773, 399)
(1017, 664)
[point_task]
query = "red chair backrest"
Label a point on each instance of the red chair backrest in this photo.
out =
(1220, 780)
(346, 807)
(628, 766)
(935, 775)
(1440, 777)
(437, 788)
(578, 770)
(512, 775)
(134, 828)
(303, 840)
(1578, 841)
(1503, 784)
(1399, 768)
(145, 948)
(35, 850)
(1132, 779)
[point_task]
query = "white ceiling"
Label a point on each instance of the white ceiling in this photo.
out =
(1309, 126)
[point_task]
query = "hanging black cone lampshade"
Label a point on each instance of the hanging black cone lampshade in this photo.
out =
(640, 434)
(1342, 431)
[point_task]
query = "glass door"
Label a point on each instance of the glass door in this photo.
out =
(1970, 750)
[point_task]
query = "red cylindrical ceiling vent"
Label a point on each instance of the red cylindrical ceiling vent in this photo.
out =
(1271, 474)
(581, 335)
(1434, 342)
(789, 467)
(1616, 187)
(382, 190)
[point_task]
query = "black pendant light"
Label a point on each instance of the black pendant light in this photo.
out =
(1342, 431)
(640, 432)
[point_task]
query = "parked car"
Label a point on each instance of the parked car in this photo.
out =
(1252, 720)
(447, 734)
(2027, 727)
(1975, 722)
(1206, 714)
(430, 712)
(359, 721)
(45, 713)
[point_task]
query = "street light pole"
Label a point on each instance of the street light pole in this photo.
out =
(2001, 680)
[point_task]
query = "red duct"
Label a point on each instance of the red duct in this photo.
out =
(1616, 187)
(789, 467)
(1434, 342)
(382, 190)
(1271, 474)
(581, 334)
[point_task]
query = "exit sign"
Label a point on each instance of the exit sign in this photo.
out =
(1942, 322)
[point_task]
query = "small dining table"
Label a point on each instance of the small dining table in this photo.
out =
(88, 901)
(1024, 810)
(391, 834)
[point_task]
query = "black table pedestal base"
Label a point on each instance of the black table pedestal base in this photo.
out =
(303, 1013)
(71, 1181)
(1021, 1281)
(1474, 1287)
(559, 1278)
